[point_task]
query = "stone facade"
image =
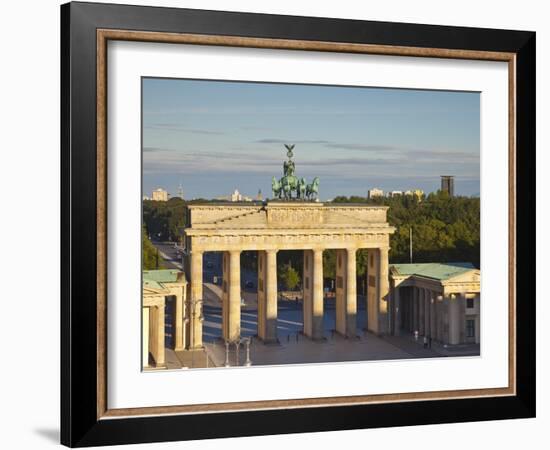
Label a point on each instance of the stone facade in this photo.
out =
(439, 301)
(163, 312)
(309, 226)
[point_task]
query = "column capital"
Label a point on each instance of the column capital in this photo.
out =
(271, 250)
(197, 252)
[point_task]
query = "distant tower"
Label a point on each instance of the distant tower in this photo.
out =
(448, 184)
(180, 191)
(259, 196)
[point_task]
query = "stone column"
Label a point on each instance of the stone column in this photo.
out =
(159, 336)
(415, 309)
(397, 312)
(454, 317)
(462, 317)
(438, 306)
(421, 303)
(178, 319)
(346, 302)
(145, 337)
(232, 307)
(478, 317)
(267, 314)
(194, 307)
(317, 303)
(384, 289)
(307, 292)
(341, 296)
(378, 301)
(351, 293)
(411, 309)
(429, 313)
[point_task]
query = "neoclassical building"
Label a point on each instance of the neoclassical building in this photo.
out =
(438, 300)
(278, 225)
(163, 315)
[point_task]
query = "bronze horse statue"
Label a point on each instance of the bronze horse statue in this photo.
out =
(312, 190)
(290, 183)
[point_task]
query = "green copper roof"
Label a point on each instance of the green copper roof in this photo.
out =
(154, 278)
(438, 271)
(162, 276)
(152, 284)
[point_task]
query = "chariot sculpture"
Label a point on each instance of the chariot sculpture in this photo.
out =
(290, 187)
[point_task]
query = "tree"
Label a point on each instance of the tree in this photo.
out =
(445, 229)
(289, 277)
(150, 255)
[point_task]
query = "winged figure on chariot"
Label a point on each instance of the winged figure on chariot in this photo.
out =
(290, 187)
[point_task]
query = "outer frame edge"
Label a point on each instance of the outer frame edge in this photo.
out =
(523, 405)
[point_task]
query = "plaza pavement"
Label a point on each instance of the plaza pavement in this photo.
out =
(293, 347)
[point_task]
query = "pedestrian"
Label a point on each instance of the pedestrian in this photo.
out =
(425, 342)
(430, 342)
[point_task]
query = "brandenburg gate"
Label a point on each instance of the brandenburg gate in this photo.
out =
(289, 224)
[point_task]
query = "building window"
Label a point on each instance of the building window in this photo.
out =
(307, 262)
(339, 260)
(470, 328)
(372, 260)
(260, 263)
(469, 303)
(307, 283)
(339, 282)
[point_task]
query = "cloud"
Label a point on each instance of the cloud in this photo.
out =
(289, 141)
(386, 150)
(330, 144)
(154, 149)
(366, 147)
(397, 163)
(181, 128)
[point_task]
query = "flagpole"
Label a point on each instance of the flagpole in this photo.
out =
(411, 244)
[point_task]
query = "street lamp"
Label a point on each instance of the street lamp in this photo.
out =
(248, 362)
(226, 363)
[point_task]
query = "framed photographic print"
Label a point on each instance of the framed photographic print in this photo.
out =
(276, 224)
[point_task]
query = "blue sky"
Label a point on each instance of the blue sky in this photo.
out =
(217, 136)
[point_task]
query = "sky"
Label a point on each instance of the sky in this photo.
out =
(213, 137)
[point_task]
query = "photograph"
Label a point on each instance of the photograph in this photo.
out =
(288, 223)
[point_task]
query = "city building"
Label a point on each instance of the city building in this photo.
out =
(259, 197)
(448, 184)
(164, 315)
(159, 195)
(236, 196)
(375, 192)
(436, 300)
(395, 193)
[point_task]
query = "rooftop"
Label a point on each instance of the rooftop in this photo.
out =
(437, 271)
(155, 278)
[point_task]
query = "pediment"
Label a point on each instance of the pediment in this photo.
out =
(472, 276)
